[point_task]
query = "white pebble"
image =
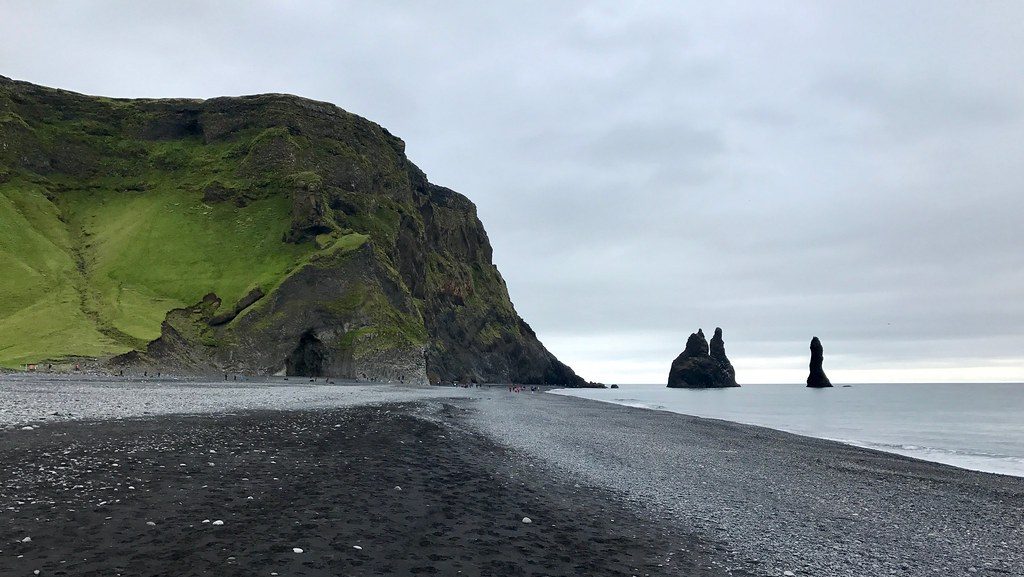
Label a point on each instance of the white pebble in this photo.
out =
(788, 573)
(27, 540)
(357, 547)
(397, 488)
(527, 520)
(218, 522)
(296, 550)
(206, 520)
(151, 524)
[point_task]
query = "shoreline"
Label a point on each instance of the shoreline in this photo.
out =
(777, 501)
(741, 498)
(1010, 466)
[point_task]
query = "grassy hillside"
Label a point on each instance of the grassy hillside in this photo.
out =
(117, 218)
(41, 315)
(94, 270)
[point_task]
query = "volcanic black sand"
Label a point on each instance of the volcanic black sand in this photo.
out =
(438, 481)
(400, 489)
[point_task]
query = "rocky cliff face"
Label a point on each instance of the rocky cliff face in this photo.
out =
(701, 366)
(816, 378)
(269, 234)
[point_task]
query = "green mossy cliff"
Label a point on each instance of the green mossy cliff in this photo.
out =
(264, 234)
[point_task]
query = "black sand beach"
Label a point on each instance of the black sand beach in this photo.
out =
(610, 490)
(387, 490)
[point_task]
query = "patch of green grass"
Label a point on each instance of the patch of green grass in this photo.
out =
(95, 271)
(148, 253)
(41, 316)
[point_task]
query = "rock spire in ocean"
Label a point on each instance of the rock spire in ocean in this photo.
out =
(817, 379)
(702, 367)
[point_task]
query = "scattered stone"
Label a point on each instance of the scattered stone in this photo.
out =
(527, 520)
(27, 540)
(151, 524)
(357, 547)
(296, 550)
(218, 523)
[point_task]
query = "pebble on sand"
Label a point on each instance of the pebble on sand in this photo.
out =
(296, 550)
(527, 520)
(218, 522)
(27, 540)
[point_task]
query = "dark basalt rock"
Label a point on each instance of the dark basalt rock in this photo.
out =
(817, 378)
(718, 354)
(246, 302)
(702, 367)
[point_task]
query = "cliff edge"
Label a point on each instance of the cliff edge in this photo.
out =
(266, 234)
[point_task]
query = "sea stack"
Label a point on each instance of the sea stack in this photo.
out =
(817, 378)
(702, 367)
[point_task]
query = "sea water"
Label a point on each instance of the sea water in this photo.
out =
(977, 426)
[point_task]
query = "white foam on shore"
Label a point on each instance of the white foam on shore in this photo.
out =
(986, 463)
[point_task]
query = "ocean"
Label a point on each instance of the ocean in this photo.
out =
(977, 426)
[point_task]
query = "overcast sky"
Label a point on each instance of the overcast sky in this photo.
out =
(851, 170)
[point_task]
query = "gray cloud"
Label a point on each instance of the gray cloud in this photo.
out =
(845, 169)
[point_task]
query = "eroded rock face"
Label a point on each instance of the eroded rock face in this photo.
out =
(392, 276)
(718, 354)
(817, 379)
(702, 367)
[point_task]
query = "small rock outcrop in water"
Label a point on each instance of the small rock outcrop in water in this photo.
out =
(702, 367)
(817, 378)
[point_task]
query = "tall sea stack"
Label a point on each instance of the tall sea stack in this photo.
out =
(817, 379)
(699, 367)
